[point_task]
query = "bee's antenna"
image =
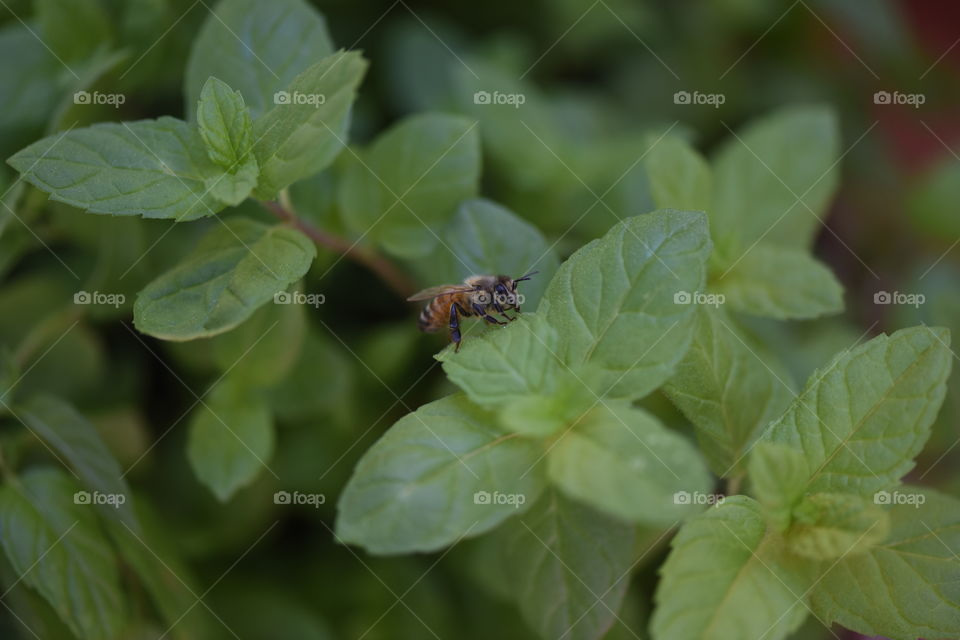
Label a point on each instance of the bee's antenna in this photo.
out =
(526, 276)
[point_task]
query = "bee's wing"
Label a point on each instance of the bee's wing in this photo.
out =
(440, 290)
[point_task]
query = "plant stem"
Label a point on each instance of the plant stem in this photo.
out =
(383, 268)
(733, 485)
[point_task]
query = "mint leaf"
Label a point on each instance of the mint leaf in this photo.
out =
(231, 438)
(307, 126)
(778, 282)
(680, 177)
(777, 477)
(256, 47)
(405, 187)
(263, 350)
(861, 421)
(613, 300)
(568, 566)
(729, 387)
(724, 578)
(507, 362)
(440, 473)
(905, 588)
(152, 168)
(225, 126)
(833, 525)
(623, 461)
(57, 547)
(760, 173)
(485, 237)
(74, 438)
(236, 268)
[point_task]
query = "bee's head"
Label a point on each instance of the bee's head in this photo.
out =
(511, 283)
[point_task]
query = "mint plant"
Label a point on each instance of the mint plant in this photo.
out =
(630, 457)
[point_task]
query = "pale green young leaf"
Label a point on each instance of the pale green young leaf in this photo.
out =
(567, 565)
(236, 268)
(74, 438)
(152, 168)
(726, 578)
(225, 125)
(263, 350)
(56, 545)
(833, 525)
(729, 387)
(624, 462)
(906, 587)
(507, 362)
(774, 180)
(485, 237)
(613, 302)
(861, 420)
(406, 186)
(231, 438)
(439, 474)
(307, 126)
(257, 48)
(777, 474)
(679, 176)
(779, 282)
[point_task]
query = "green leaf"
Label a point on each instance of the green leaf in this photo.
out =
(623, 461)
(907, 587)
(439, 474)
(777, 476)
(237, 267)
(227, 130)
(485, 237)
(257, 47)
(405, 187)
(861, 420)
(57, 547)
(833, 525)
(729, 387)
(568, 566)
(152, 168)
(73, 437)
(613, 300)
(72, 29)
(931, 199)
(307, 126)
(775, 179)
(507, 362)
(231, 438)
(779, 282)
(263, 350)
(724, 578)
(680, 177)
(32, 86)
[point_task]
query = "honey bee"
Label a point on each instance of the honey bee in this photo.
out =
(475, 297)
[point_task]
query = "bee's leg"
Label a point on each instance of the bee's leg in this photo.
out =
(480, 311)
(502, 290)
(455, 326)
